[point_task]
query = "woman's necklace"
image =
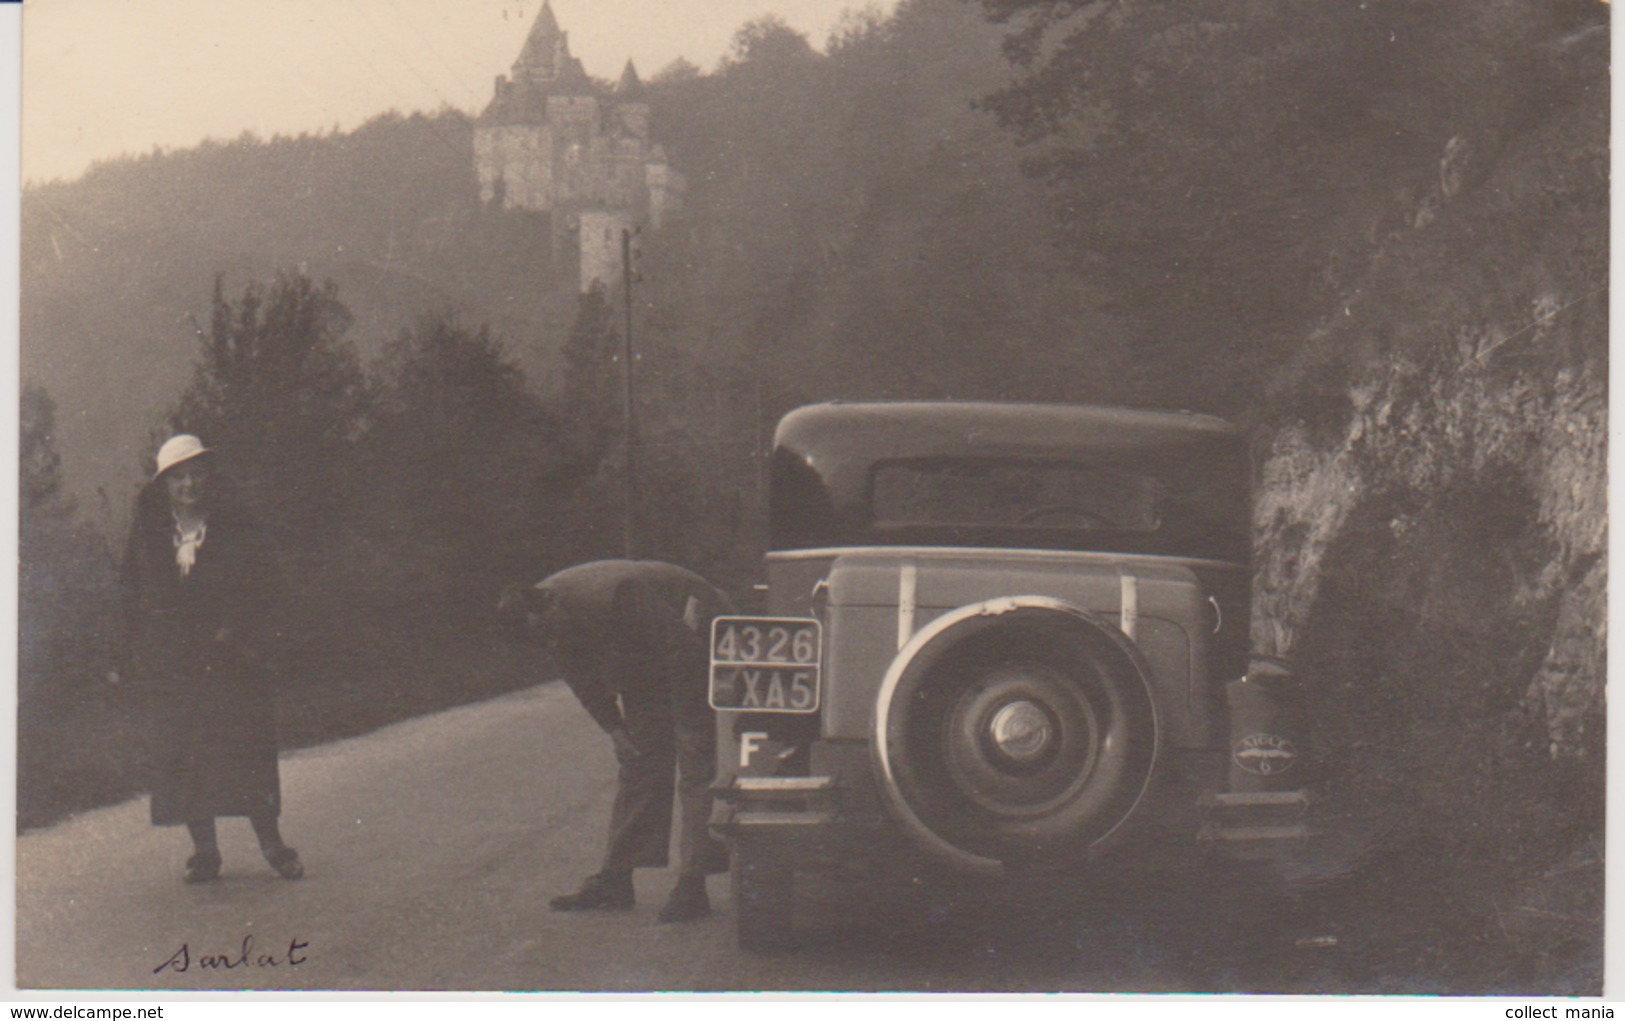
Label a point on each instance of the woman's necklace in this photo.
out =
(188, 540)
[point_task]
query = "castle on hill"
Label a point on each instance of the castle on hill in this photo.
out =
(554, 141)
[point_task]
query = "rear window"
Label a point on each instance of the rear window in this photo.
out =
(1005, 494)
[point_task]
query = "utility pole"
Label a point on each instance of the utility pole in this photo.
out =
(628, 423)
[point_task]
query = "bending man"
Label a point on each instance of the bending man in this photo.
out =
(632, 639)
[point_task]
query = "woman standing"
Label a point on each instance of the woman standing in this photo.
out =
(196, 580)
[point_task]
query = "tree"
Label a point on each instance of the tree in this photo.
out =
(280, 393)
(58, 552)
(1227, 167)
(64, 595)
(768, 40)
(679, 71)
(463, 462)
(453, 380)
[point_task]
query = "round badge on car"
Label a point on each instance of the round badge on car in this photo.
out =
(1265, 754)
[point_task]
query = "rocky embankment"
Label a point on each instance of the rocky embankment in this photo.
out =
(1432, 524)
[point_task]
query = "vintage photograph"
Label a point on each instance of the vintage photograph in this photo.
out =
(926, 496)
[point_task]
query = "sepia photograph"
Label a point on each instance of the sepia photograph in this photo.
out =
(813, 496)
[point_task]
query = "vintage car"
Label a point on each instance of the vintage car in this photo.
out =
(998, 638)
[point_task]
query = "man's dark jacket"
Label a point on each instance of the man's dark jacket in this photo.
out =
(626, 627)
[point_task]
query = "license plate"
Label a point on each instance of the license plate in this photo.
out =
(765, 664)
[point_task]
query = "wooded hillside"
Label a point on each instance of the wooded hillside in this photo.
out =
(1374, 233)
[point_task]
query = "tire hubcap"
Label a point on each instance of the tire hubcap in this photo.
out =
(1020, 731)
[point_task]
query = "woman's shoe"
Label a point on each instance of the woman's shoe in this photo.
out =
(285, 860)
(202, 867)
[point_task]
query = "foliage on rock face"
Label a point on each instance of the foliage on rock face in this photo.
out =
(1437, 477)
(1471, 356)
(1226, 167)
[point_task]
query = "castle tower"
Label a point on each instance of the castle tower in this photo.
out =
(554, 141)
(600, 245)
(545, 50)
(632, 104)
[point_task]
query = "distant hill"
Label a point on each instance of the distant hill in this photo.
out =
(117, 267)
(854, 227)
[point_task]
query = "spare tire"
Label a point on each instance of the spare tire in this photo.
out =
(1019, 731)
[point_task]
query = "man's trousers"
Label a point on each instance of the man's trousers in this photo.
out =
(674, 730)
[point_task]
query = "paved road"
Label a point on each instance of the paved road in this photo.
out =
(433, 846)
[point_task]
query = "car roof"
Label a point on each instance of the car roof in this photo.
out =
(879, 431)
(826, 456)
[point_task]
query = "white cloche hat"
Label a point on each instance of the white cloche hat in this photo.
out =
(182, 447)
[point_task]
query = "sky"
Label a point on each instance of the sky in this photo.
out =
(103, 78)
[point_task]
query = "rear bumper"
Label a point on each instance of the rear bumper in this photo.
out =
(762, 804)
(830, 813)
(834, 814)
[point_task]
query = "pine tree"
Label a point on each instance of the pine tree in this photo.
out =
(64, 596)
(280, 393)
(463, 462)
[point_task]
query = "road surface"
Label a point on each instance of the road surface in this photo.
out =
(432, 848)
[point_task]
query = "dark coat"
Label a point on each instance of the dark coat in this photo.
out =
(206, 706)
(630, 628)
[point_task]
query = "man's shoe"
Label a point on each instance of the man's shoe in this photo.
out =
(687, 902)
(612, 893)
(202, 867)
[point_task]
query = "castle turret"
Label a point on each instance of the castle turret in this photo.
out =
(546, 52)
(631, 104)
(630, 87)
